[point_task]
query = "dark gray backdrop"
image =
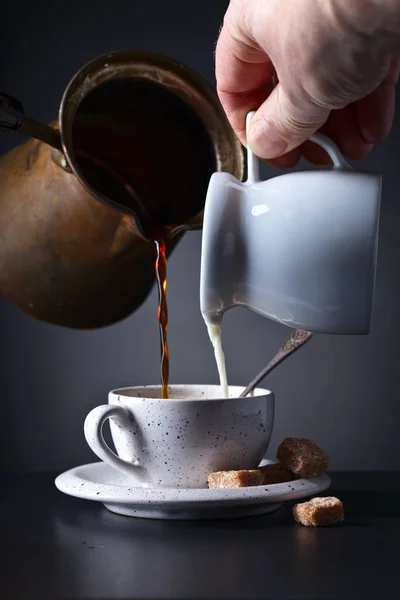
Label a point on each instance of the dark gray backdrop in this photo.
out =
(341, 391)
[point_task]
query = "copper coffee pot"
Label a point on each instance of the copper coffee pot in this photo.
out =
(137, 140)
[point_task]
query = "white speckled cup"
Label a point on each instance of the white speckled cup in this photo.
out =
(178, 442)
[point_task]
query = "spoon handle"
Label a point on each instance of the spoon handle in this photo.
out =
(296, 340)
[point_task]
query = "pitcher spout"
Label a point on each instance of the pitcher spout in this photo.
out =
(300, 248)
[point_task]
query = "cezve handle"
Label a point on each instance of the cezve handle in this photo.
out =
(11, 113)
(13, 118)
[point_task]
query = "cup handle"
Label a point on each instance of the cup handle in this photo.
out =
(93, 429)
(253, 169)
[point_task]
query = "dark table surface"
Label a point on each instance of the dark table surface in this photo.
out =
(56, 547)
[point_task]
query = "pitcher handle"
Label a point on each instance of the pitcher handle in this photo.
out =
(253, 162)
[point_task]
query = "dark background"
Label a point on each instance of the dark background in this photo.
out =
(341, 391)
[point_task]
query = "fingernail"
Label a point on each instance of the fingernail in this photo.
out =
(265, 141)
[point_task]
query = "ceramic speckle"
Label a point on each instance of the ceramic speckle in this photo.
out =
(178, 442)
(102, 483)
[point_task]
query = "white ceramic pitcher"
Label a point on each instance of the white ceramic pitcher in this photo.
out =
(300, 248)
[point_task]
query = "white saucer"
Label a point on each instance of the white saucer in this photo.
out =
(101, 483)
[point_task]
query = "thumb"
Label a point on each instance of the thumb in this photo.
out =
(281, 125)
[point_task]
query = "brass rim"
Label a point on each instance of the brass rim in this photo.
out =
(179, 79)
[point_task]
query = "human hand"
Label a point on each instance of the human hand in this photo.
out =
(335, 65)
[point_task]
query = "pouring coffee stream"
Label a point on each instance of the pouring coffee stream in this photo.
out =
(13, 118)
(137, 139)
(85, 207)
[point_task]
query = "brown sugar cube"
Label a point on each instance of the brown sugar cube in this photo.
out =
(235, 479)
(303, 457)
(319, 512)
(276, 474)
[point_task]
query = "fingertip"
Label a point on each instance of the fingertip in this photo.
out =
(375, 114)
(265, 141)
(343, 129)
(315, 155)
(360, 152)
(243, 75)
(280, 126)
(286, 161)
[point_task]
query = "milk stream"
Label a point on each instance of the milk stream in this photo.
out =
(214, 331)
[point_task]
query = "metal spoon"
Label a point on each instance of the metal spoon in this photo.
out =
(296, 340)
